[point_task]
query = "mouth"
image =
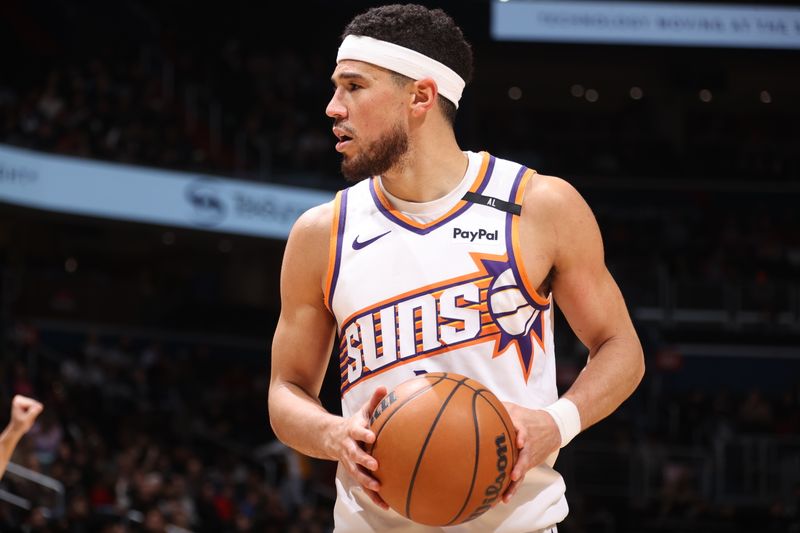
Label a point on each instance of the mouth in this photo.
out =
(344, 139)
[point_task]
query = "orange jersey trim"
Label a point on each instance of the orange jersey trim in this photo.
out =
(461, 203)
(332, 250)
(517, 249)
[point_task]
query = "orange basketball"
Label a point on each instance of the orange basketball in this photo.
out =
(445, 447)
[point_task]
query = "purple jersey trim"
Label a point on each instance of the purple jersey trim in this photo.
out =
(427, 229)
(339, 238)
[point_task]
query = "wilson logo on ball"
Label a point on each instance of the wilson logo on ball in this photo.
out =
(494, 490)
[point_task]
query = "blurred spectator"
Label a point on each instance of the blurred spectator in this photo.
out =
(46, 438)
(113, 459)
(755, 413)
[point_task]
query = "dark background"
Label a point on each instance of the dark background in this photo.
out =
(150, 345)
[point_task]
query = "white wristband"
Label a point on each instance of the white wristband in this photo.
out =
(567, 418)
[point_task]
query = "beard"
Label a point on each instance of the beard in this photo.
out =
(377, 157)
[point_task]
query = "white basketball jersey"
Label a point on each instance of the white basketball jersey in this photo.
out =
(434, 287)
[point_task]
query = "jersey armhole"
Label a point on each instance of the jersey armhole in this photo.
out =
(517, 196)
(335, 247)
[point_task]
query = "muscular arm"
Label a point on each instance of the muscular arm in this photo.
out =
(303, 339)
(560, 241)
(300, 351)
(592, 304)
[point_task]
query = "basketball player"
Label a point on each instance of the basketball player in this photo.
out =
(24, 411)
(439, 259)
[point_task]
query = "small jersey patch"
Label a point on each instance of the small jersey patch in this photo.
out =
(497, 203)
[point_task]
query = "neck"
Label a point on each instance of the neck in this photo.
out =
(433, 166)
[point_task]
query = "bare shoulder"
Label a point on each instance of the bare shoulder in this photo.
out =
(314, 223)
(306, 256)
(313, 228)
(557, 212)
(553, 200)
(552, 195)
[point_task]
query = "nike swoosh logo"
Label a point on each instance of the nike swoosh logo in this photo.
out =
(359, 245)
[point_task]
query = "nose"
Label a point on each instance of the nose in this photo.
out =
(335, 107)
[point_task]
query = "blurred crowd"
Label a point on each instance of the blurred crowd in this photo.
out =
(236, 115)
(157, 438)
(251, 105)
(150, 439)
(730, 252)
(703, 451)
(719, 456)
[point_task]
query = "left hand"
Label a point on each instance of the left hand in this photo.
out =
(24, 411)
(537, 438)
(344, 441)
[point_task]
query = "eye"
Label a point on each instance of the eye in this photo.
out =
(353, 87)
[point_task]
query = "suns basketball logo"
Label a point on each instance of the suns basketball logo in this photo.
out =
(508, 305)
(488, 305)
(519, 318)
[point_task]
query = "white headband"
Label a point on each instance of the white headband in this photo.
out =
(403, 61)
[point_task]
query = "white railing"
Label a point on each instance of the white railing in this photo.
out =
(674, 304)
(43, 481)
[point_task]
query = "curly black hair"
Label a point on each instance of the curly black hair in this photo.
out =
(428, 31)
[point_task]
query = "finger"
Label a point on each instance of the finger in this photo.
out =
(376, 398)
(364, 478)
(376, 499)
(517, 471)
(522, 466)
(362, 434)
(23, 401)
(522, 438)
(27, 405)
(362, 458)
(34, 411)
(514, 412)
(511, 490)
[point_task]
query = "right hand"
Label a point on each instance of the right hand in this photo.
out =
(24, 411)
(345, 440)
(537, 438)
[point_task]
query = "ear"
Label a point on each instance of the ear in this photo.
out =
(424, 92)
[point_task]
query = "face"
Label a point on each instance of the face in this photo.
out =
(367, 108)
